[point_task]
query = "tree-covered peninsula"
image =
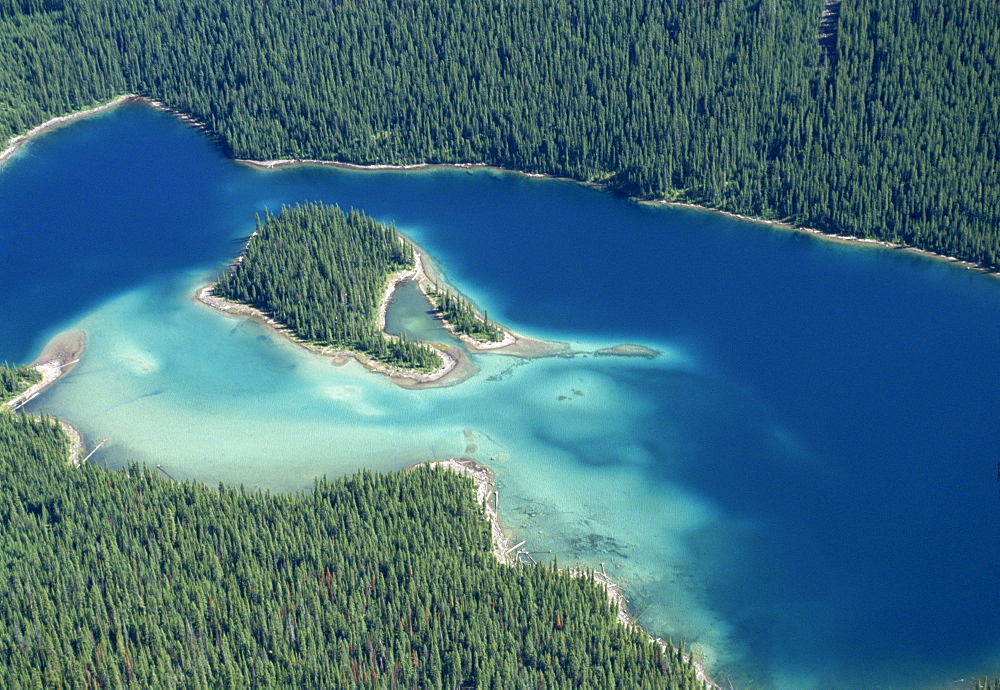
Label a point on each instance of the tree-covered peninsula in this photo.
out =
(14, 380)
(322, 273)
(125, 579)
(459, 313)
(872, 118)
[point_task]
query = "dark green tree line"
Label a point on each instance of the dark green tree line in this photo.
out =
(14, 380)
(462, 316)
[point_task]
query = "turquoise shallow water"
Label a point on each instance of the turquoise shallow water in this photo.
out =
(803, 485)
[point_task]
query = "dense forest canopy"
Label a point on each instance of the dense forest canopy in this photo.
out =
(887, 127)
(322, 274)
(124, 579)
(15, 380)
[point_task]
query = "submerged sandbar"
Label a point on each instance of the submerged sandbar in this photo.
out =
(628, 350)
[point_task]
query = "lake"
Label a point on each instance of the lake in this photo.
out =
(802, 485)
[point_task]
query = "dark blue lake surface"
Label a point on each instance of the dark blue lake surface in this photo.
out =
(804, 484)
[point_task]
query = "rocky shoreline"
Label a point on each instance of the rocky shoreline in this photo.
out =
(508, 554)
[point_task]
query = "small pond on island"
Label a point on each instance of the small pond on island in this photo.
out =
(802, 485)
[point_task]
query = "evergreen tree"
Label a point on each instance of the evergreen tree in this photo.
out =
(377, 580)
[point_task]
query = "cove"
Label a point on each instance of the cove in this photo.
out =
(802, 485)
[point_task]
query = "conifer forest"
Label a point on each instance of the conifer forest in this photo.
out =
(321, 273)
(876, 119)
(126, 579)
(871, 118)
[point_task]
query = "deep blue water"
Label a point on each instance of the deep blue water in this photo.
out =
(804, 485)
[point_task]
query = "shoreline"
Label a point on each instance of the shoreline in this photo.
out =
(401, 377)
(429, 276)
(57, 359)
(864, 241)
(77, 447)
(456, 367)
(502, 550)
(15, 143)
(59, 356)
(831, 237)
(483, 478)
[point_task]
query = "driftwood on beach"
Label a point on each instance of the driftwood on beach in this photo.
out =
(58, 358)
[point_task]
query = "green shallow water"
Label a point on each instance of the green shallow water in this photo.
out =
(802, 485)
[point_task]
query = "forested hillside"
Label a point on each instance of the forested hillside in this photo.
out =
(123, 579)
(892, 132)
(321, 273)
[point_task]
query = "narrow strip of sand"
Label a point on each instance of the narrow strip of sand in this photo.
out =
(429, 279)
(17, 141)
(485, 497)
(833, 237)
(58, 358)
(454, 367)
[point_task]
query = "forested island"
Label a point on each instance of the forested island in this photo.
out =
(877, 120)
(321, 274)
(379, 580)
